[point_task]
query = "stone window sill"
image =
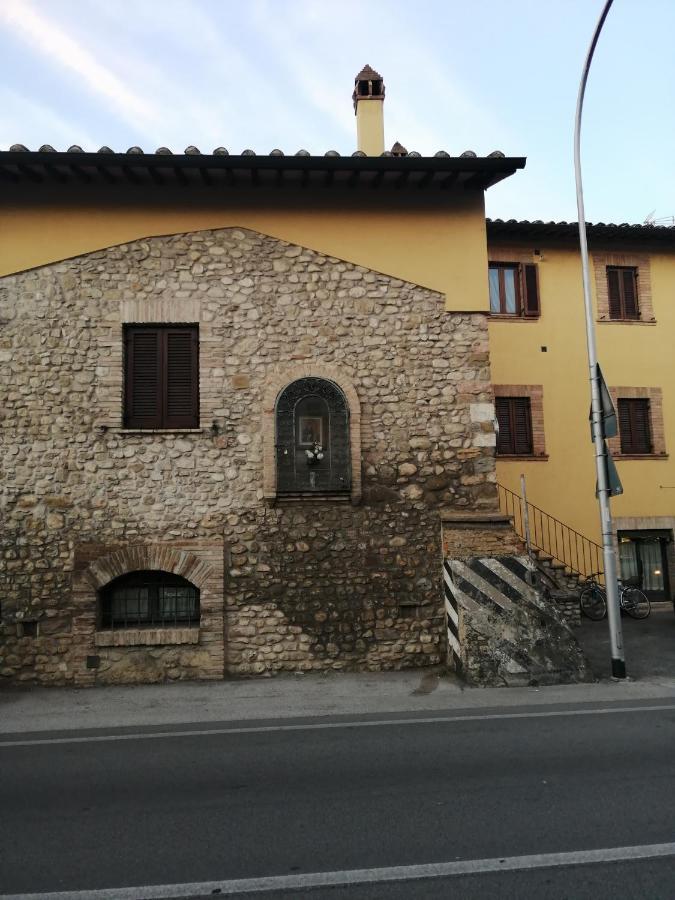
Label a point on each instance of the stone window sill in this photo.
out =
(627, 321)
(623, 456)
(506, 317)
(146, 637)
(156, 430)
(540, 457)
(293, 498)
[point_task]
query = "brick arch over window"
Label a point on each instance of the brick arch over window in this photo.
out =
(199, 561)
(149, 557)
(275, 385)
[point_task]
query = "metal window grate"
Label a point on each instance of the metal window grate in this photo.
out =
(149, 599)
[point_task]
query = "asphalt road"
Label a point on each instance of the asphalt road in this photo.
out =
(176, 805)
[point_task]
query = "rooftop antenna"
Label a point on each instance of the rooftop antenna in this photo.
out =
(660, 221)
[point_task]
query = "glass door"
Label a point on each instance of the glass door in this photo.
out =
(644, 562)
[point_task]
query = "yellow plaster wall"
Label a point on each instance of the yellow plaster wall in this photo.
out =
(436, 245)
(630, 355)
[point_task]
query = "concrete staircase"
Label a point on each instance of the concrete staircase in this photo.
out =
(564, 558)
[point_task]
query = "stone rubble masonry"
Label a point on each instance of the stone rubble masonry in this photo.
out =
(468, 534)
(295, 587)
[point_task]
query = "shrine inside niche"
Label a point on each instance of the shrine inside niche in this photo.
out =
(312, 438)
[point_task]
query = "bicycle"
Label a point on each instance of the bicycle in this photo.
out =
(593, 600)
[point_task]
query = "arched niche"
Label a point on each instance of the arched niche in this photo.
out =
(313, 452)
(312, 431)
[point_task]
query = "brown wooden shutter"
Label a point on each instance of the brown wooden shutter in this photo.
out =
(531, 304)
(522, 426)
(143, 378)
(614, 293)
(515, 426)
(162, 377)
(630, 304)
(642, 426)
(182, 378)
(505, 436)
(634, 426)
(625, 431)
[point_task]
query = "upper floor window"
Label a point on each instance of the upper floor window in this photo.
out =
(635, 429)
(622, 289)
(161, 369)
(514, 417)
(514, 289)
(148, 599)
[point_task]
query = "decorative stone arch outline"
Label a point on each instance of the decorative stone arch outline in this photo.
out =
(149, 557)
(275, 385)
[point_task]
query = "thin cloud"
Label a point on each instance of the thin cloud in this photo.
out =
(228, 96)
(24, 120)
(52, 42)
(431, 110)
(291, 50)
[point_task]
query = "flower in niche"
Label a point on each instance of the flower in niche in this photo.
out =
(315, 454)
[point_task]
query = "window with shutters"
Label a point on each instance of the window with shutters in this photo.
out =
(161, 376)
(514, 289)
(623, 287)
(622, 290)
(514, 418)
(635, 429)
(641, 426)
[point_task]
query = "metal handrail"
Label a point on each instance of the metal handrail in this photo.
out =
(550, 536)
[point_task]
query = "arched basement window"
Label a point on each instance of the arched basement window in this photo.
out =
(148, 599)
(312, 438)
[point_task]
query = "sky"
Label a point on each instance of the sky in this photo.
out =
(262, 74)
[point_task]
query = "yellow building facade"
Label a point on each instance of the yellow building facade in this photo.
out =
(544, 356)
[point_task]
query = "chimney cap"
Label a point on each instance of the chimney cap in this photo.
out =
(367, 73)
(368, 85)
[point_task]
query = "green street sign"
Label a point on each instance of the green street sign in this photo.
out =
(613, 480)
(608, 413)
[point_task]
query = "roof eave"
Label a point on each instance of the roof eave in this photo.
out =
(568, 232)
(445, 171)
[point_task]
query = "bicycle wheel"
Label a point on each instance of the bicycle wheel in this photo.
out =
(635, 603)
(593, 603)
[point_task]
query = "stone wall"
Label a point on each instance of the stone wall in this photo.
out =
(313, 585)
(471, 533)
(338, 587)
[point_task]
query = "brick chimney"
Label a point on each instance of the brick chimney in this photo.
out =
(368, 100)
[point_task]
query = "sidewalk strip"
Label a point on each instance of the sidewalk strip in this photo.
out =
(242, 886)
(321, 726)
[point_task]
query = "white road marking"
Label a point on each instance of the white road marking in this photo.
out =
(320, 726)
(348, 877)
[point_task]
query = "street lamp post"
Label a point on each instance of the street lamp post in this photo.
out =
(608, 552)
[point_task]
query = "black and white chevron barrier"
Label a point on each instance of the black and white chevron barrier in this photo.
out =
(500, 627)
